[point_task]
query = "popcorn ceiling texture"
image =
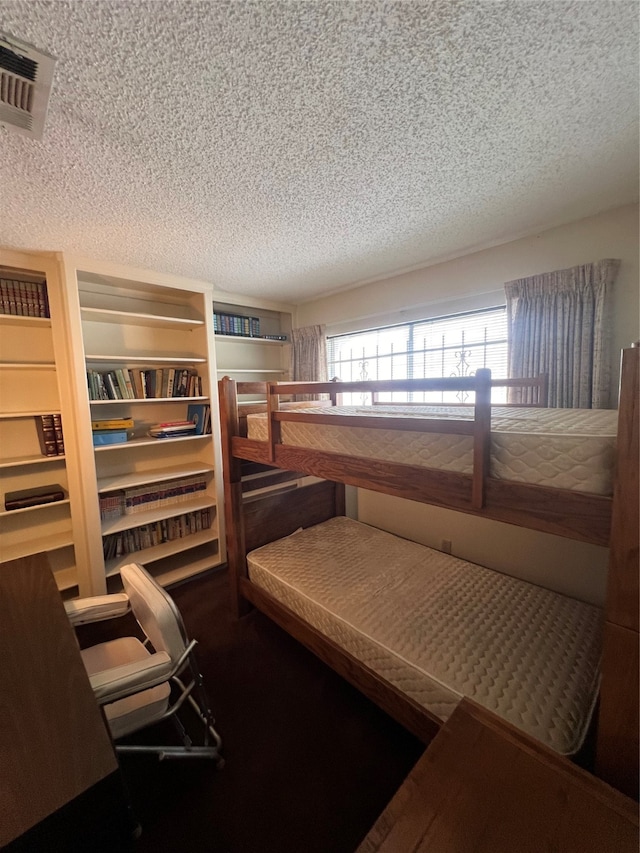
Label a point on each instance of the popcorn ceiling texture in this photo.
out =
(286, 149)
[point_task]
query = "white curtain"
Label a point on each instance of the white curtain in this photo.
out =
(309, 356)
(559, 323)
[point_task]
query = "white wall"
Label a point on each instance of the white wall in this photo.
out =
(476, 281)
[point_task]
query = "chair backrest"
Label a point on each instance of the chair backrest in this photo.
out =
(155, 611)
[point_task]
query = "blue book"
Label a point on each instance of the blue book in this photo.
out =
(198, 413)
(108, 436)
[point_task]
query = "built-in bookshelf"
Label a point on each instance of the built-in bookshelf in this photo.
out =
(146, 356)
(94, 357)
(40, 506)
(252, 339)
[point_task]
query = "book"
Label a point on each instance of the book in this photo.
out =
(172, 429)
(136, 381)
(181, 384)
(180, 426)
(43, 299)
(129, 383)
(57, 425)
(46, 435)
(113, 423)
(199, 413)
(111, 385)
(33, 497)
(122, 383)
(171, 371)
(109, 436)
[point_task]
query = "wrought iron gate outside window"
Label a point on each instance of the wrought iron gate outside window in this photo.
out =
(455, 345)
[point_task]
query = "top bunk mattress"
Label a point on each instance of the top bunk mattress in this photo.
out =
(562, 448)
(440, 628)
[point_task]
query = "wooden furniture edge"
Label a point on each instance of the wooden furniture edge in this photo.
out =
(617, 747)
(484, 785)
(574, 515)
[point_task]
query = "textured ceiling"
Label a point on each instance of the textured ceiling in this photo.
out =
(287, 149)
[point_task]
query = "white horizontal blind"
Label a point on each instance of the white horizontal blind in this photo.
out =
(456, 345)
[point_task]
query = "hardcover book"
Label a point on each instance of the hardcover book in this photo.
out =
(33, 497)
(199, 414)
(46, 435)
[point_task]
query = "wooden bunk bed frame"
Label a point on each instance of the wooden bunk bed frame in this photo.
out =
(611, 522)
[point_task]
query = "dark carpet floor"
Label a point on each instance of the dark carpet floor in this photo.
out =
(310, 763)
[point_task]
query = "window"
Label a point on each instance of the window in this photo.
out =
(456, 345)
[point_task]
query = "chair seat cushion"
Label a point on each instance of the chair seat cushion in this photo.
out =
(133, 712)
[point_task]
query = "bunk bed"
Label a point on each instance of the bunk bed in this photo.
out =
(264, 526)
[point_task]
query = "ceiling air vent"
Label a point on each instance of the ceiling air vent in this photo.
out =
(25, 83)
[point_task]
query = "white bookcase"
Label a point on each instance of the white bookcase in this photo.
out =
(254, 358)
(108, 317)
(124, 319)
(34, 382)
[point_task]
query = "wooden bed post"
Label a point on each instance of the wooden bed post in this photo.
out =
(232, 470)
(481, 437)
(617, 744)
(273, 426)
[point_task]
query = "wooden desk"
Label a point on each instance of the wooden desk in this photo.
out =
(483, 786)
(60, 785)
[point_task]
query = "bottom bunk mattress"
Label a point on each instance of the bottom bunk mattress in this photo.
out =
(439, 628)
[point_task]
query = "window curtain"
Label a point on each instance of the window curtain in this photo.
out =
(309, 356)
(559, 323)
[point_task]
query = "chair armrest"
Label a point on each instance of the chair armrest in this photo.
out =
(120, 681)
(95, 608)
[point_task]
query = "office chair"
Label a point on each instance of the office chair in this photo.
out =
(140, 683)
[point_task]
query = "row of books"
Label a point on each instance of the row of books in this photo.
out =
(149, 535)
(236, 324)
(24, 298)
(150, 496)
(50, 437)
(142, 384)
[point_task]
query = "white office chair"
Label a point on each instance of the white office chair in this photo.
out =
(140, 683)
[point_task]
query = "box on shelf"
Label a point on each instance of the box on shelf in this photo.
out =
(109, 436)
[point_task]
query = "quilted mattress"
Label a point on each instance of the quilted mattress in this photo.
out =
(440, 628)
(562, 448)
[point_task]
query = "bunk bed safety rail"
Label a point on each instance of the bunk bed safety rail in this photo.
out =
(479, 428)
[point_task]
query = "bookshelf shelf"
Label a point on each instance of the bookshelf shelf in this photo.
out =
(27, 414)
(33, 322)
(151, 442)
(26, 365)
(252, 370)
(66, 579)
(169, 549)
(36, 508)
(19, 461)
(133, 479)
(146, 359)
(37, 545)
(254, 340)
(110, 315)
(137, 519)
(148, 400)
